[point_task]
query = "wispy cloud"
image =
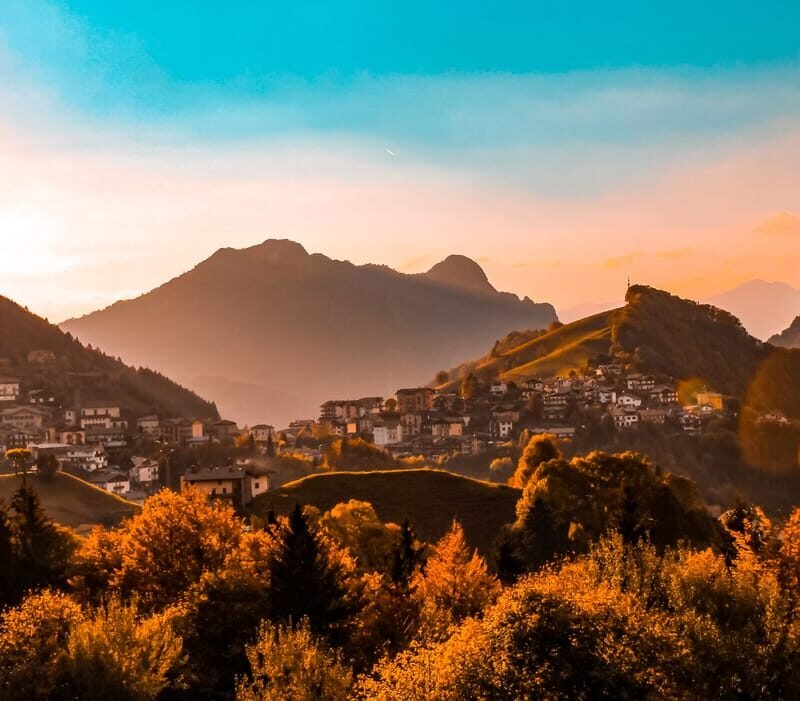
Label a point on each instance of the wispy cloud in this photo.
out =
(782, 224)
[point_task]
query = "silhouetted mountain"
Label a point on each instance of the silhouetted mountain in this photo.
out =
(764, 308)
(660, 333)
(44, 357)
(304, 328)
(790, 338)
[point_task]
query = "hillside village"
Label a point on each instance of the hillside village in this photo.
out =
(95, 436)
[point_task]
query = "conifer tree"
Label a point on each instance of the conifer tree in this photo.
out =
(309, 577)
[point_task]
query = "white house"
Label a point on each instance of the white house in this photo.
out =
(628, 401)
(624, 418)
(387, 432)
(498, 388)
(112, 481)
(144, 470)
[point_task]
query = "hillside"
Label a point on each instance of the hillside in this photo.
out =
(297, 329)
(72, 372)
(654, 332)
(789, 338)
(71, 501)
(430, 499)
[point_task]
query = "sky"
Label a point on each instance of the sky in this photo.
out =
(566, 147)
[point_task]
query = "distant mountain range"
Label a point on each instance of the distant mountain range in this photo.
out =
(271, 331)
(790, 338)
(42, 356)
(659, 333)
(764, 308)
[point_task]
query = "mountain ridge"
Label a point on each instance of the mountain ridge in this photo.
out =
(788, 338)
(305, 326)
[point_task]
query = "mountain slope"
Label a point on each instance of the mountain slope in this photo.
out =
(429, 499)
(660, 333)
(74, 372)
(764, 308)
(307, 328)
(790, 338)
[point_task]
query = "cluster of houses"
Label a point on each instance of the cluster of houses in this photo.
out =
(423, 421)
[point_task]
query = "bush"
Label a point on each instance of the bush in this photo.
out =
(292, 664)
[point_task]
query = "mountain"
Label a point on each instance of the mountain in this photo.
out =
(42, 356)
(790, 338)
(764, 308)
(659, 333)
(297, 329)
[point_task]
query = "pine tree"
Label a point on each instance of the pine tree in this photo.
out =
(43, 548)
(309, 577)
(406, 556)
(9, 569)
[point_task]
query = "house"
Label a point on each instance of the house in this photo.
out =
(102, 414)
(387, 431)
(149, 425)
(653, 416)
(106, 437)
(628, 401)
(640, 383)
(24, 417)
(86, 458)
(606, 396)
(624, 418)
(691, 423)
(9, 389)
(112, 481)
(664, 394)
(239, 484)
(412, 423)
(40, 396)
(713, 399)
(416, 399)
(224, 428)
(181, 431)
(559, 431)
(498, 388)
(66, 434)
(144, 470)
(263, 433)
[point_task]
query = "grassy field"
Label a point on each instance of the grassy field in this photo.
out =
(71, 501)
(430, 499)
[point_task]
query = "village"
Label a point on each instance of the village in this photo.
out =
(90, 439)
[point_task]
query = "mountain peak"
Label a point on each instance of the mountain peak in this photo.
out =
(278, 251)
(462, 272)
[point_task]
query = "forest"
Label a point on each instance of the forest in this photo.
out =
(613, 581)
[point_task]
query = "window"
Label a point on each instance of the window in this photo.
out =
(257, 485)
(224, 490)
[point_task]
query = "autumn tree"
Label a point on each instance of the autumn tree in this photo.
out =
(540, 448)
(161, 552)
(293, 664)
(356, 527)
(469, 386)
(453, 584)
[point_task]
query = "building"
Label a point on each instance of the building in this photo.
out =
(713, 399)
(113, 481)
(387, 432)
(262, 433)
(24, 417)
(102, 414)
(238, 484)
(653, 416)
(149, 425)
(624, 418)
(9, 389)
(415, 399)
(145, 471)
(66, 434)
(628, 401)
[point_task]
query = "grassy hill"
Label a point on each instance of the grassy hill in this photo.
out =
(75, 372)
(70, 501)
(430, 499)
(659, 333)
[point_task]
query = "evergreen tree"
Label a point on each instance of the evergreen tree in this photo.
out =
(9, 570)
(43, 548)
(309, 577)
(406, 556)
(270, 450)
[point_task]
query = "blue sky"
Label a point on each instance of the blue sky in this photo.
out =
(648, 133)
